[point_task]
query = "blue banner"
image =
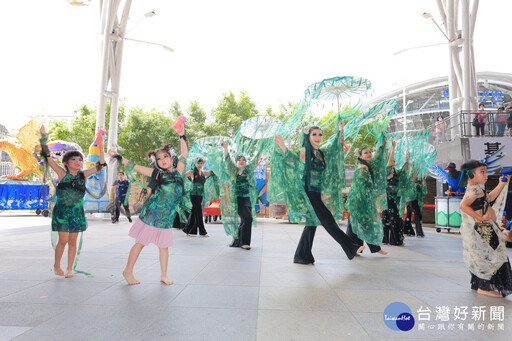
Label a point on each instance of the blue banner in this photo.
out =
(23, 196)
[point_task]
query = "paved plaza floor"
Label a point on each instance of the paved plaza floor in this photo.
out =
(223, 293)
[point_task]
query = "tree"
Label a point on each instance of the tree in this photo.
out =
(81, 129)
(142, 132)
(230, 113)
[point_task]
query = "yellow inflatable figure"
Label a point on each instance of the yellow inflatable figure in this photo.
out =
(21, 155)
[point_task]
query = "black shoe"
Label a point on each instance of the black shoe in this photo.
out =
(129, 219)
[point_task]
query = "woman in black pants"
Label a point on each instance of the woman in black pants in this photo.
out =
(195, 219)
(314, 180)
(244, 185)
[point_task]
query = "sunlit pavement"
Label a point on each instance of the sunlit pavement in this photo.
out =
(223, 293)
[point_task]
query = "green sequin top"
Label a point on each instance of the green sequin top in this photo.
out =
(287, 183)
(198, 185)
(242, 187)
(315, 181)
(161, 207)
(68, 214)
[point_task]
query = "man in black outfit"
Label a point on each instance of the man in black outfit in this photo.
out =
(121, 186)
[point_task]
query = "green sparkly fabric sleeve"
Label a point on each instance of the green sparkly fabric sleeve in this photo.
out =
(362, 205)
(333, 179)
(379, 167)
(286, 185)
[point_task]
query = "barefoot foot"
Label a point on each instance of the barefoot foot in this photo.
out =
(489, 293)
(58, 271)
(69, 273)
(382, 252)
(206, 236)
(130, 279)
(166, 281)
(360, 250)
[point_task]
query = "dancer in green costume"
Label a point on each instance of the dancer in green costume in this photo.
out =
(414, 193)
(367, 191)
(155, 221)
(239, 196)
(68, 217)
(197, 178)
(303, 178)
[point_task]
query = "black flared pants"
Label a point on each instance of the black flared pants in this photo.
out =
(413, 206)
(195, 219)
(244, 229)
(303, 254)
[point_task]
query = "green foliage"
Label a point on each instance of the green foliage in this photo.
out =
(81, 129)
(142, 132)
(230, 113)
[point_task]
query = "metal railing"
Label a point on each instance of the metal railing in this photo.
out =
(462, 125)
(8, 168)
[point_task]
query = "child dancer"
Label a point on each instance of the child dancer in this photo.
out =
(68, 217)
(483, 243)
(156, 218)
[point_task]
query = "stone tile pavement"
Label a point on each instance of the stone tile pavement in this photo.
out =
(223, 293)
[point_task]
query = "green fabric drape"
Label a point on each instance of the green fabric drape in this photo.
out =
(367, 198)
(286, 182)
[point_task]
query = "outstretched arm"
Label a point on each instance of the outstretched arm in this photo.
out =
(224, 145)
(391, 159)
(183, 150)
(497, 190)
(140, 169)
(45, 152)
(278, 139)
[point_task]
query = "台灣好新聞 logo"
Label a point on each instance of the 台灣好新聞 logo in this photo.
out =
(398, 316)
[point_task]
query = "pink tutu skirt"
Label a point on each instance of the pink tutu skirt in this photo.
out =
(145, 234)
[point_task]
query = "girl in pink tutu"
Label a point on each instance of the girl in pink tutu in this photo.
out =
(156, 218)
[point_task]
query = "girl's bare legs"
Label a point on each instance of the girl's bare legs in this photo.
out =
(164, 260)
(71, 253)
(132, 258)
(59, 250)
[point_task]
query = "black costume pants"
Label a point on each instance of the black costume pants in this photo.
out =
(118, 202)
(413, 206)
(195, 219)
(392, 224)
(303, 254)
(359, 242)
(244, 229)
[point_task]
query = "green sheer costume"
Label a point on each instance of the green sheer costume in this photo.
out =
(421, 192)
(409, 190)
(289, 175)
(228, 193)
(366, 199)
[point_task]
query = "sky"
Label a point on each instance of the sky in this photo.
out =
(273, 49)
